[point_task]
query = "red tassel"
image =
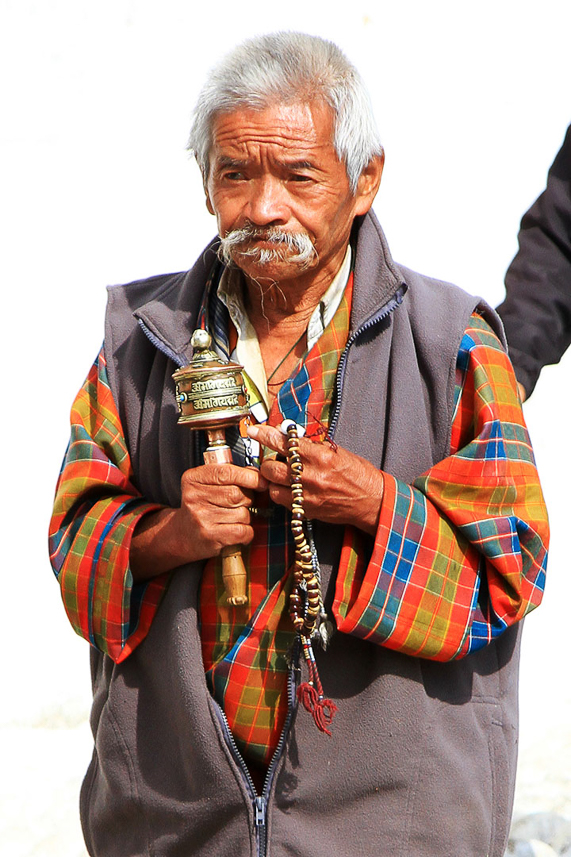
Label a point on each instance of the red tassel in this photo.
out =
(307, 695)
(325, 711)
(322, 710)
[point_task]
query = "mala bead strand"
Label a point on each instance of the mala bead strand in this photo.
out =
(304, 559)
(305, 601)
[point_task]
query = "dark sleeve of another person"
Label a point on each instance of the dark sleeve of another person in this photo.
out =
(537, 309)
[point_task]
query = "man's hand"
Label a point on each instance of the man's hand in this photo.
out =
(213, 514)
(339, 487)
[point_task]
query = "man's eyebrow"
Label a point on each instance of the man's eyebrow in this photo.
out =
(300, 165)
(225, 163)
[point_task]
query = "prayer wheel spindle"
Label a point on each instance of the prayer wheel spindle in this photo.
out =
(211, 395)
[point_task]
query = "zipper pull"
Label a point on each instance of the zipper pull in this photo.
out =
(260, 812)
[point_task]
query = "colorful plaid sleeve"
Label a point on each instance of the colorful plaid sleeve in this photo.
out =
(460, 554)
(95, 512)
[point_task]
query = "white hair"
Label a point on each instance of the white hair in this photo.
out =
(289, 68)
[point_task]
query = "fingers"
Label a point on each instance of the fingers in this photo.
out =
(273, 438)
(215, 505)
(224, 485)
(228, 497)
(275, 473)
(226, 475)
(209, 537)
(339, 487)
(269, 436)
(228, 534)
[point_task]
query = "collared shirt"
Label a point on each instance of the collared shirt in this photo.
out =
(247, 351)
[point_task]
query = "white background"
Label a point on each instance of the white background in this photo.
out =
(472, 101)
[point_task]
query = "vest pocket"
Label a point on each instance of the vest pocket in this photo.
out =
(462, 798)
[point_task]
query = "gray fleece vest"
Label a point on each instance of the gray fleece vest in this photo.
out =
(422, 758)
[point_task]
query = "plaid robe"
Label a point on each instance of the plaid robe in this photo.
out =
(246, 650)
(479, 509)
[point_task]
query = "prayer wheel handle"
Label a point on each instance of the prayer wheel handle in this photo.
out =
(211, 395)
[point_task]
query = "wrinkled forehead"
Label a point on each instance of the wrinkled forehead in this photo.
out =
(298, 127)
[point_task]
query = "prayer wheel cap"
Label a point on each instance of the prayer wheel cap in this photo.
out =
(201, 339)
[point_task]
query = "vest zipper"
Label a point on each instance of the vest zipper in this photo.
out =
(385, 310)
(260, 802)
(260, 807)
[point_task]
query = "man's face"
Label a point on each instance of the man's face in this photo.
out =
(277, 170)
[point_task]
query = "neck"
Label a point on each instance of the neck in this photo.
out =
(288, 303)
(280, 315)
(271, 309)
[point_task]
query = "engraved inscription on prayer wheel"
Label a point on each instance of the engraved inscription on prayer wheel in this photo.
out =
(209, 392)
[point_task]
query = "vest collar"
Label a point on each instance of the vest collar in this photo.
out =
(169, 318)
(377, 278)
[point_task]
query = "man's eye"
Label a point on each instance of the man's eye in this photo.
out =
(300, 177)
(233, 176)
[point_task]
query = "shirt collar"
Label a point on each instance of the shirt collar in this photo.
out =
(247, 351)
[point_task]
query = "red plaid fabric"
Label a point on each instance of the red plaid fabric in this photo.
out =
(459, 555)
(246, 651)
(95, 512)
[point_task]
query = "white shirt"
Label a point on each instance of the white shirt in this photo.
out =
(247, 351)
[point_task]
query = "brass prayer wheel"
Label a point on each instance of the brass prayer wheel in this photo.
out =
(211, 395)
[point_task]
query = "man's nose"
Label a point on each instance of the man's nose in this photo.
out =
(267, 202)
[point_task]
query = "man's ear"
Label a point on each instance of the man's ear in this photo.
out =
(368, 183)
(208, 201)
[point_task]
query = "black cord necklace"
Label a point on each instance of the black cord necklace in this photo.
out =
(283, 360)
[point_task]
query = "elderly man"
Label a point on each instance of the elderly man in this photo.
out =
(425, 536)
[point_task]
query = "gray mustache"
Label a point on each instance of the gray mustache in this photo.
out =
(297, 246)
